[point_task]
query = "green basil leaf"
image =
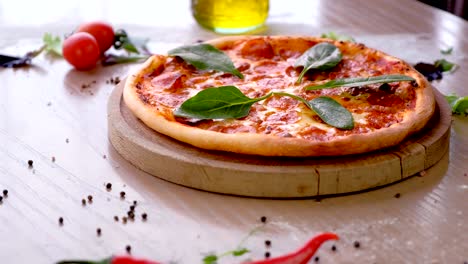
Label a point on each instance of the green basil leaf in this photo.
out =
(240, 252)
(210, 259)
(218, 103)
(111, 59)
(52, 44)
(447, 51)
(332, 112)
(360, 81)
(322, 56)
(206, 57)
(445, 66)
(458, 104)
(339, 37)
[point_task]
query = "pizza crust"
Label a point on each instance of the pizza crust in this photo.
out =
(271, 145)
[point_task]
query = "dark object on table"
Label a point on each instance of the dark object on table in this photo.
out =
(456, 7)
(430, 71)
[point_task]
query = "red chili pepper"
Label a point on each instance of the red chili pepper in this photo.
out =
(111, 260)
(301, 256)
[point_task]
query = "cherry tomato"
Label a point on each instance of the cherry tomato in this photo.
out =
(103, 32)
(81, 50)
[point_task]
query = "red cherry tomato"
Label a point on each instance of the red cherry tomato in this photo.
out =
(101, 31)
(81, 50)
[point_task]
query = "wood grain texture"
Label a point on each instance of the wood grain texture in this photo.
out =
(43, 106)
(273, 177)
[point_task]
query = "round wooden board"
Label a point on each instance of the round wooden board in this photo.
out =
(278, 177)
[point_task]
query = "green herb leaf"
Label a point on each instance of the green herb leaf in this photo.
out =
(445, 66)
(52, 44)
(111, 59)
(339, 37)
(240, 252)
(458, 104)
(447, 51)
(360, 81)
(218, 103)
(322, 56)
(332, 112)
(210, 259)
(132, 45)
(206, 57)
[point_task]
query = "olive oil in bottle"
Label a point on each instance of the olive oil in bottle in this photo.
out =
(230, 16)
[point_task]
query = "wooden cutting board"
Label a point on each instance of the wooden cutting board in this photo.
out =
(275, 177)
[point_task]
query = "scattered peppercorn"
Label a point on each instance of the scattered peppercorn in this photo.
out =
(267, 254)
(122, 194)
(5, 192)
(98, 231)
(131, 215)
(124, 219)
(333, 248)
(397, 195)
(104, 156)
(30, 163)
(263, 219)
(116, 218)
(67, 140)
(316, 259)
(61, 220)
(1, 199)
(90, 198)
(132, 208)
(128, 248)
(53, 159)
(135, 202)
(267, 243)
(109, 186)
(83, 201)
(144, 216)
(357, 244)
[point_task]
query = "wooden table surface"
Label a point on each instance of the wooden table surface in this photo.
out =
(45, 114)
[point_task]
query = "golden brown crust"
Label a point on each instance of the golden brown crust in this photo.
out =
(274, 145)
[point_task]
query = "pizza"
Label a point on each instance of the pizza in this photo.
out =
(383, 114)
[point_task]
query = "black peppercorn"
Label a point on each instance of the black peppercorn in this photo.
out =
(333, 248)
(5, 192)
(98, 231)
(263, 219)
(135, 202)
(122, 194)
(90, 198)
(61, 220)
(316, 259)
(30, 163)
(128, 248)
(116, 218)
(144, 216)
(267, 254)
(1, 199)
(132, 208)
(83, 201)
(397, 195)
(357, 244)
(109, 186)
(267, 243)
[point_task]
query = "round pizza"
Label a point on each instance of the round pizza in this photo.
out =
(280, 96)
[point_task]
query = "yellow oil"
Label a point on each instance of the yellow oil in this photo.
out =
(230, 16)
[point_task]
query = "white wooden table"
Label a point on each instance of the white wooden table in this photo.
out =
(47, 117)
